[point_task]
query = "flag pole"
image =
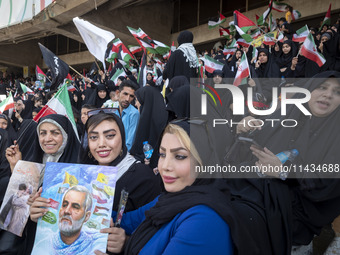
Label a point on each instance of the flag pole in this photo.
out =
(95, 60)
(23, 132)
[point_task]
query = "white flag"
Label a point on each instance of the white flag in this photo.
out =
(95, 38)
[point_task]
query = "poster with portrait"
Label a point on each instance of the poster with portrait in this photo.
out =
(14, 210)
(81, 199)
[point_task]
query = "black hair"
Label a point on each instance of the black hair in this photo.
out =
(127, 83)
(22, 186)
(89, 106)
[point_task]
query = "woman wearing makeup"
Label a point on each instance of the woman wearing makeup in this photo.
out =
(104, 144)
(193, 215)
(51, 140)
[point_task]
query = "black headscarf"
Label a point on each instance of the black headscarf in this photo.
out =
(297, 209)
(85, 151)
(12, 135)
(153, 118)
(285, 60)
(34, 152)
(95, 99)
(269, 69)
(185, 37)
(179, 102)
(212, 193)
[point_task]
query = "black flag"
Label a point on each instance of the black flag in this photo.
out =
(59, 68)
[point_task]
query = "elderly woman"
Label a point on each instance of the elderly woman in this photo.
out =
(52, 140)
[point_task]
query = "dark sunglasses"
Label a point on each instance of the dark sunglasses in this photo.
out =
(102, 110)
(195, 121)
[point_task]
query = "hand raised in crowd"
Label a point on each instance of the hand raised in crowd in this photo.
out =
(257, 64)
(116, 239)
(251, 82)
(17, 115)
(39, 206)
(13, 155)
(240, 128)
(321, 47)
(294, 63)
(266, 158)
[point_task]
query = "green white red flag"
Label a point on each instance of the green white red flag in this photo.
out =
(26, 89)
(134, 49)
(242, 72)
(7, 104)
(68, 80)
(59, 104)
(211, 64)
(310, 51)
(301, 34)
(280, 7)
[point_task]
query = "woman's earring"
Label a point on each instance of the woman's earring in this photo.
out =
(89, 154)
(121, 152)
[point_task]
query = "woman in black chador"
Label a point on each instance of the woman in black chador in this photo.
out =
(295, 209)
(182, 61)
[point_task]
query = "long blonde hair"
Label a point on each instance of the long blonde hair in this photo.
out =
(184, 138)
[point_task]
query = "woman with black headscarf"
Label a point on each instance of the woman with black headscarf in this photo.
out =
(104, 144)
(55, 141)
(296, 209)
(183, 61)
(6, 124)
(153, 118)
(99, 97)
(284, 60)
(193, 215)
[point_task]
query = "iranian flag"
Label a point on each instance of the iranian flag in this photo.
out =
(211, 64)
(134, 49)
(296, 15)
(255, 34)
(242, 42)
(242, 22)
(26, 89)
(59, 104)
(242, 71)
(229, 50)
(309, 51)
(327, 19)
(280, 7)
(269, 39)
(7, 104)
(119, 72)
(301, 34)
(215, 23)
(137, 32)
(246, 37)
(280, 36)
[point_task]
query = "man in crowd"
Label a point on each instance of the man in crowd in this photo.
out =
(128, 113)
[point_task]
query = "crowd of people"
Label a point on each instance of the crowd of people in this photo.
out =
(171, 208)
